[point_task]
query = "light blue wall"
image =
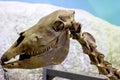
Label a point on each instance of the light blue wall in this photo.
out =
(106, 9)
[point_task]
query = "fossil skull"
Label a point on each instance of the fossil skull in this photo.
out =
(46, 43)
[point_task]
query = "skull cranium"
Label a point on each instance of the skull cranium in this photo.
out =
(46, 43)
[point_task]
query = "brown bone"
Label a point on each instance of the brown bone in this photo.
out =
(52, 57)
(89, 47)
(36, 46)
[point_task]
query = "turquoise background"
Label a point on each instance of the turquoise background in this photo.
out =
(106, 9)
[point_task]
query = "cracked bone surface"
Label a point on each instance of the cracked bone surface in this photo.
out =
(16, 17)
(44, 44)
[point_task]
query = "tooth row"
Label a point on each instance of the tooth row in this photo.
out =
(34, 52)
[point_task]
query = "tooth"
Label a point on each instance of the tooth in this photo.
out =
(17, 57)
(29, 53)
(37, 52)
(33, 53)
(13, 59)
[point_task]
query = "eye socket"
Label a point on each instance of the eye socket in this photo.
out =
(58, 26)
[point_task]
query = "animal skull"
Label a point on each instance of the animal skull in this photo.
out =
(46, 43)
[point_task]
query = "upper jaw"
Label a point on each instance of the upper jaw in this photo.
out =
(51, 57)
(8, 57)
